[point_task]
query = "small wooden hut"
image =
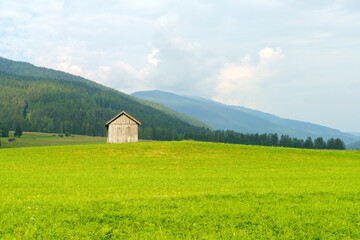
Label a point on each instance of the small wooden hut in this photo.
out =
(122, 128)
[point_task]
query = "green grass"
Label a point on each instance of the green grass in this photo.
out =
(175, 190)
(36, 139)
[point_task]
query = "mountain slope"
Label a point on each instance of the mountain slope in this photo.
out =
(221, 116)
(45, 100)
(190, 120)
(354, 133)
(354, 145)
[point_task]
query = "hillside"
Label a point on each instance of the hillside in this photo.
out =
(354, 133)
(178, 190)
(354, 145)
(45, 100)
(241, 119)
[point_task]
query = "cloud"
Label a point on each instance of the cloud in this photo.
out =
(236, 77)
(127, 78)
(266, 3)
(152, 57)
(73, 69)
(267, 55)
(239, 84)
(166, 22)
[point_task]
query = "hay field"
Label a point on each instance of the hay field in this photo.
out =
(178, 190)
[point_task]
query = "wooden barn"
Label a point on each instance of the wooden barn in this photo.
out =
(122, 128)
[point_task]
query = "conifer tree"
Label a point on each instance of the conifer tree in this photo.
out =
(18, 132)
(5, 132)
(308, 143)
(319, 143)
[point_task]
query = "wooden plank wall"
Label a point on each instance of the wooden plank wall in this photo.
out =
(122, 130)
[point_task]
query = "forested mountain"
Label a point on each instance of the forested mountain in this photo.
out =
(45, 100)
(241, 119)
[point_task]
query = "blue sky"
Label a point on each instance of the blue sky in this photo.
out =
(296, 59)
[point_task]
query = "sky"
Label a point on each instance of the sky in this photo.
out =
(297, 59)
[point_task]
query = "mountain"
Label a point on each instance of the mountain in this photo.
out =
(241, 119)
(354, 133)
(190, 120)
(354, 145)
(45, 100)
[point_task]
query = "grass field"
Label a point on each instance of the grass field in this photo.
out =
(36, 139)
(174, 190)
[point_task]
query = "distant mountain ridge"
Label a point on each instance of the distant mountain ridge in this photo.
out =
(354, 133)
(241, 119)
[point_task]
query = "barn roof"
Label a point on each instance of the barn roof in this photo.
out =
(122, 113)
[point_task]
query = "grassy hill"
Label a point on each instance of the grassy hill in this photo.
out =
(241, 119)
(162, 190)
(45, 100)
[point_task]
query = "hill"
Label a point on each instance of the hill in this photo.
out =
(354, 145)
(241, 119)
(168, 190)
(44, 100)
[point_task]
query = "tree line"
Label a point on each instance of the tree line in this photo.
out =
(229, 136)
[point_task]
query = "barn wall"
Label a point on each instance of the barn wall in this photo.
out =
(122, 130)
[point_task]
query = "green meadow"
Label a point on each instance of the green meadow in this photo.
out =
(178, 190)
(36, 139)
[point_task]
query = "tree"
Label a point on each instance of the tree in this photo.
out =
(285, 141)
(18, 132)
(319, 143)
(308, 143)
(5, 132)
(331, 143)
(298, 143)
(274, 139)
(339, 144)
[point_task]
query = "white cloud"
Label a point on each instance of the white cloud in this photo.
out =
(166, 22)
(148, 4)
(104, 68)
(73, 69)
(236, 77)
(268, 54)
(126, 77)
(272, 3)
(239, 84)
(131, 71)
(152, 57)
